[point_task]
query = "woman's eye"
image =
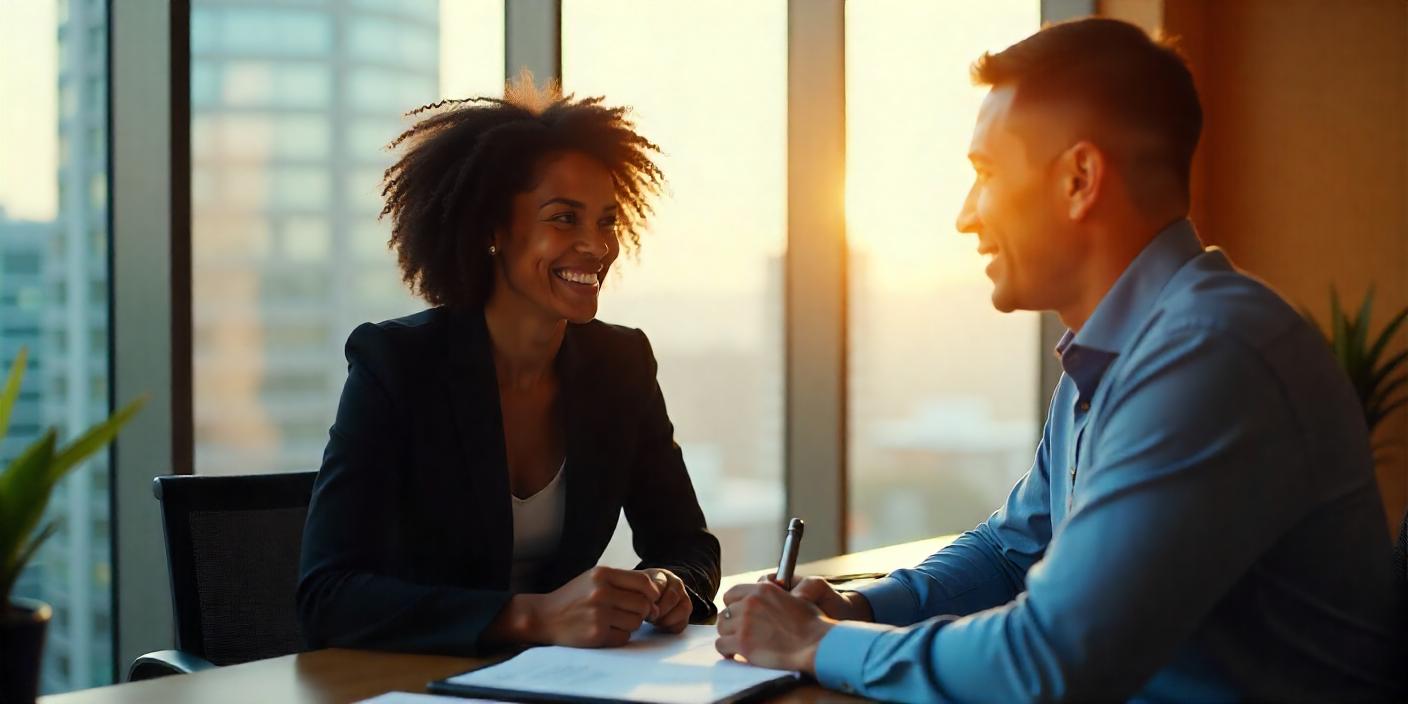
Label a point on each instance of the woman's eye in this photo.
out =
(568, 218)
(607, 223)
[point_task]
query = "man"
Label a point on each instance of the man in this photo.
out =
(1201, 521)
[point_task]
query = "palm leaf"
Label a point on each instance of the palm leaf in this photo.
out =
(28, 481)
(92, 440)
(9, 573)
(23, 496)
(1381, 343)
(1360, 332)
(1349, 342)
(1382, 413)
(1388, 367)
(1381, 394)
(12, 390)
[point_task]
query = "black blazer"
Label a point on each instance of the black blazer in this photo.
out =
(409, 536)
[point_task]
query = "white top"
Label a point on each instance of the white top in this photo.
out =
(537, 529)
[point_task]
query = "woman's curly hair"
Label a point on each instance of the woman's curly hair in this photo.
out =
(453, 186)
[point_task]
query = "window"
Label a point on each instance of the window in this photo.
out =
(291, 108)
(256, 31)
(708, 83)
(20, 263)
(375, 39)
(53, 291)
(943, 389)
(384, 91)
(266, 84)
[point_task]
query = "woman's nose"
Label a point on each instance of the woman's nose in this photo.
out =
(595, 245)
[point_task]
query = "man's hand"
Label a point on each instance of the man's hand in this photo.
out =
(672, 610)
(770, 627)
(842, 606)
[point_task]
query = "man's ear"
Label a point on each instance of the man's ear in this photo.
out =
(1082, 171)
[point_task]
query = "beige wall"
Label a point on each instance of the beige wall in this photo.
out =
(1302, 174)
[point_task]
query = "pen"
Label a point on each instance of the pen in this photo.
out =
(790, 545)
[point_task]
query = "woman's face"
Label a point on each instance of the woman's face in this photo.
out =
(561, 239)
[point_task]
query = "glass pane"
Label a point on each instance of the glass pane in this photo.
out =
(708, 82)
(292, 107)
(943, 388)
(53, 302)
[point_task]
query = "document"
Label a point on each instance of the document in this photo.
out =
(654, 666)
(411, 698)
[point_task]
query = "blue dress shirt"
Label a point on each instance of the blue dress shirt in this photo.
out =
(1201, 523)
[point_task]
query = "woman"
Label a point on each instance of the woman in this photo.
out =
(485, 448)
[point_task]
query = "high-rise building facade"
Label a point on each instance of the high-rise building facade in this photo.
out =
(53, 302)
(22, 245)
(292, 104)
(79, 648)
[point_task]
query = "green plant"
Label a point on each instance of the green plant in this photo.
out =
(1374, 379)
(29, 479)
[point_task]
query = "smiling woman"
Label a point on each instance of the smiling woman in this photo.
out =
(470, 174)
(483, 449)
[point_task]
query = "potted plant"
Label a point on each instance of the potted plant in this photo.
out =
(25, 486)
(1376, 380)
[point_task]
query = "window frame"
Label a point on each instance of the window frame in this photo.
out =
(150, 344)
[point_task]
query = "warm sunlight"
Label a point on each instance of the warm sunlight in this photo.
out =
(708, 83)
(910, 108)
(28, 111)
(942, 386)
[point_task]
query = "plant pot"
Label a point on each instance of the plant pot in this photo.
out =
(22, 629)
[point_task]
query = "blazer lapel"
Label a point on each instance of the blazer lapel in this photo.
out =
(474, 399)
(582, 421)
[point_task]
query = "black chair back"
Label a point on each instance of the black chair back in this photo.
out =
(232, 547)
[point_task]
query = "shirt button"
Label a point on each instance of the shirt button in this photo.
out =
(847, 688)
(1083, 406)
(1073, 473)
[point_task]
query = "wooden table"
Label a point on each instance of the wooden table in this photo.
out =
(340, 675)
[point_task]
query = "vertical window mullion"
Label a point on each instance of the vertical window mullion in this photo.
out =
(533, 38)
(815, 274)
(150, 306)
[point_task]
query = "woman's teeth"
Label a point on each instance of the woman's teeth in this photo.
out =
(577, 277)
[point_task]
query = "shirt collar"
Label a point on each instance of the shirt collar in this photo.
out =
(1119, 315)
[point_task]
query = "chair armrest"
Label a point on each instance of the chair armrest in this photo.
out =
(161, 663)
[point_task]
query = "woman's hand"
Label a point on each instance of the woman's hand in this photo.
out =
(599, 608)
(674, 607)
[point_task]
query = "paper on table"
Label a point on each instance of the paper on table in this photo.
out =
(413, 698)
(654, 667)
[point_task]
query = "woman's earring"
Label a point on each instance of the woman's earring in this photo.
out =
(493, 250)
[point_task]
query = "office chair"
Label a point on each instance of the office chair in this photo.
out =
(232, 548)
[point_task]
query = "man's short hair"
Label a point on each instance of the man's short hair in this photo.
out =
(1127, 78)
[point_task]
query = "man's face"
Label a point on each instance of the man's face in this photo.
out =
(1017, 207)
